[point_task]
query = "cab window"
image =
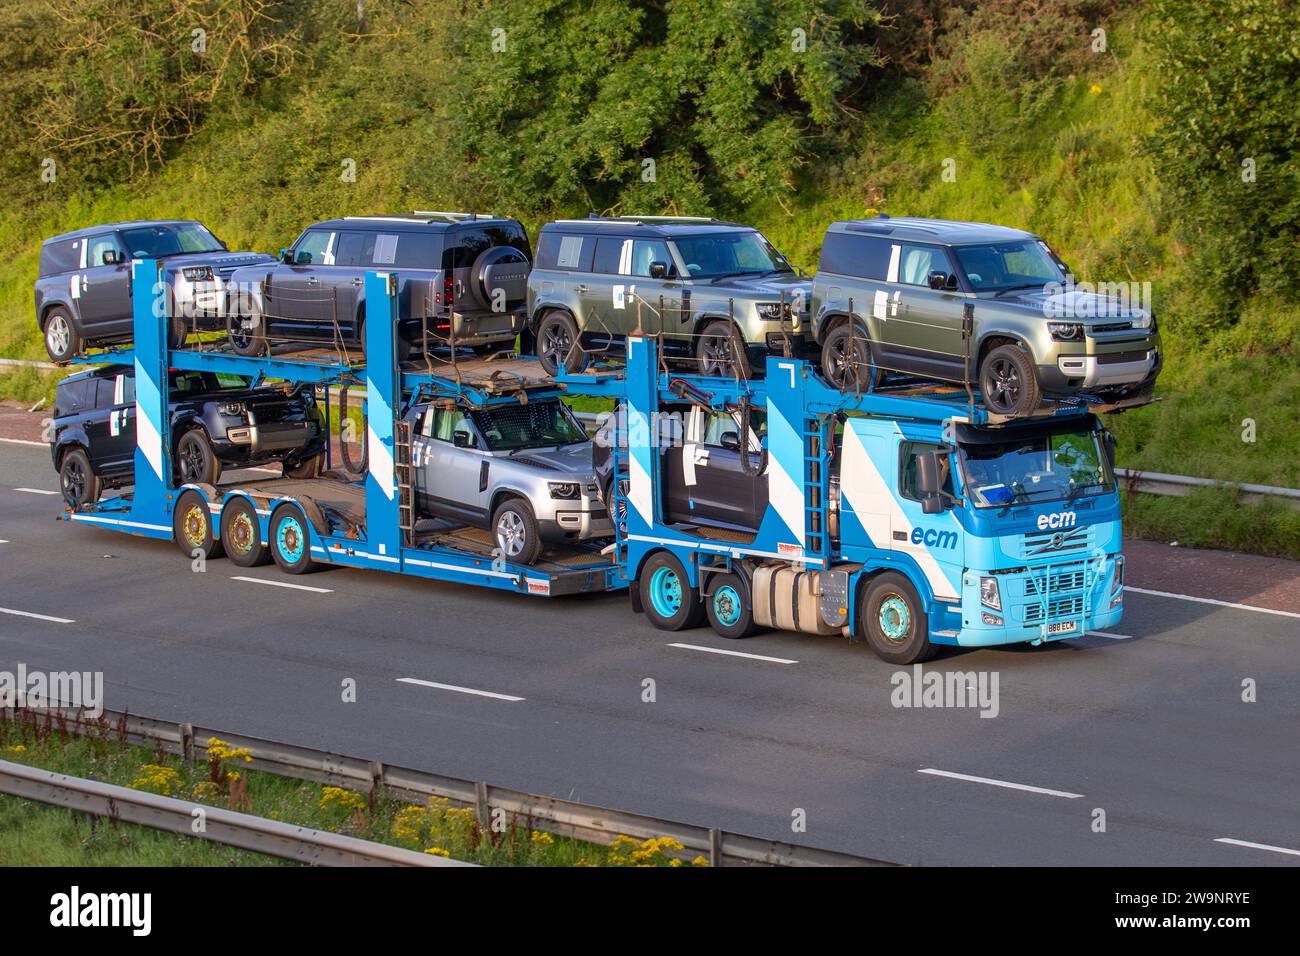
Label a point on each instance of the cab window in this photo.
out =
(909, 478)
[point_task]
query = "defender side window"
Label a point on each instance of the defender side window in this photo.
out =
(915, 263)
(97, 246)
(354, 249)
(450, 421)
(646, 251)
(609, 253)
(316, 243)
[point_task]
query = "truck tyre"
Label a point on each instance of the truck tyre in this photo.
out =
(557, 344)
(1008, 381)
(728, 605)
(192, 527)
(846, 358)
(304, 468)
(196, 462)
(715, 349)
(516, 532)
(61, 339)
(246, 334)
(290, 542)
(77, 480)
(895, 623)
(670, 602)
(241, 534)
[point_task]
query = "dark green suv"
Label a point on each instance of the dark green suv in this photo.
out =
(974, 303)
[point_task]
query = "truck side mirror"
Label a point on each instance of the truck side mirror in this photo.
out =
(1108, 444)
(658, 270)
(929, 482)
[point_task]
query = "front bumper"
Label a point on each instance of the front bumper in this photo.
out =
(273, 437)
(1114, 368)
(574, 519)
(1042, 604)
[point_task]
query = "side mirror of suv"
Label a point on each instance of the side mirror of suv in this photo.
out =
(462, 439)
(112, 257)
(943, 282)
(303, 258)
(286, 256)
(730, 441)
(658, 270)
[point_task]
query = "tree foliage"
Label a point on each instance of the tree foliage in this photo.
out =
(567, 103)
(128, 79)
(1226, 140)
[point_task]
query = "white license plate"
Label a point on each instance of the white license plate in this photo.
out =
(1064, 627)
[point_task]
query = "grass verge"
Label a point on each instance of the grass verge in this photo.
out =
(1215, 518)
(38, 834)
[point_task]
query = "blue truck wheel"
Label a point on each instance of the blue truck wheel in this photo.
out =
(669, 601)
(728, 605)
(894, 621)
(291, 540)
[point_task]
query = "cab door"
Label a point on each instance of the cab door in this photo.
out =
(715, 487)
(926, 324)
(453, 467)
(105, 294)
(119, 443)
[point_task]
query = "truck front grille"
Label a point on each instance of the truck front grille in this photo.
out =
(1064, 607)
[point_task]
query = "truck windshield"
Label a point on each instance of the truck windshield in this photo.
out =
(1035, 469)
(1008, 265)
(730, 254)
(536, 425)
(154, 242)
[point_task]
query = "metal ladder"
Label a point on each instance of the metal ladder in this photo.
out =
(404, 471)
(816, 469)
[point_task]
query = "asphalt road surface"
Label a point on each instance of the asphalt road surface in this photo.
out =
(1147, 725)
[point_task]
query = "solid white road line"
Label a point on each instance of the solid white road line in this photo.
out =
(458, 690)
(36, 491)
(1001, 783)
(752, 657)
(282, 584)
(1205, 600)
(25, 441)
(1258, 846)
(1113, 637)
(39, 617)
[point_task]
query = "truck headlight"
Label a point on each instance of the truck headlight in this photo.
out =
(990, 596)
(1065, 331)
(197, 273)
(563, 489)
(1117, 583)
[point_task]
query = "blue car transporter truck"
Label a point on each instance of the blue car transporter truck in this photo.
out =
(910, 519)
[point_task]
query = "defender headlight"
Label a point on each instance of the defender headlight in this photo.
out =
(772, 312)
(563, 489)
(990, 596)
(232, 408)
(1065, 331)
(197, 273)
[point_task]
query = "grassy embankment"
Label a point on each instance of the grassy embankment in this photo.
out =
(40, 834)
